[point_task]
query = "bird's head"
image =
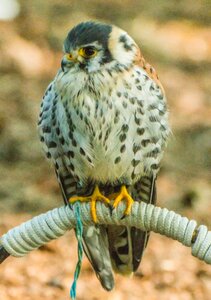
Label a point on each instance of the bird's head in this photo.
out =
(92, 46)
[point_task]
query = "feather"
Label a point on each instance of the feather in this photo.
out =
(126, 245)
(106, 124)
(95, 242)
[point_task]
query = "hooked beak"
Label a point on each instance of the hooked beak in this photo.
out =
(68, 60)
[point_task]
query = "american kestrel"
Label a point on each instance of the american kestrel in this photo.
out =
(104, 125)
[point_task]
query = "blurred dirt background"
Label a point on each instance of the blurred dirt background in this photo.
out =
(175, 36)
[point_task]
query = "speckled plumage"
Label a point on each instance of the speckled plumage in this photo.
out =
(104, 121)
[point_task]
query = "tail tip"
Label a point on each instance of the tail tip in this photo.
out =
(107, 281)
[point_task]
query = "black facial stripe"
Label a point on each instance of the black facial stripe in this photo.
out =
(82, 66)
(107, 57)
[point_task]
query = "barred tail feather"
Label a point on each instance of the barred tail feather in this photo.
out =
(96, 249)
(95, 240)
(126, 245)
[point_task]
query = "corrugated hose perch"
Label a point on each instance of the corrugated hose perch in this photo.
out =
(51, 225)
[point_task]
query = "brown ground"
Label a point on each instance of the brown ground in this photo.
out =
(175, 37)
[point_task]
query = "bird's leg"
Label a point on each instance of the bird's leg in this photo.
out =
(96, 196)
(124, 195)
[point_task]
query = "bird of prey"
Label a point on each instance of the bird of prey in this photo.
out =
(104, 126)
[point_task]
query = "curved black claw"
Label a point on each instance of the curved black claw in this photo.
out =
(123, 217)
(70, 205)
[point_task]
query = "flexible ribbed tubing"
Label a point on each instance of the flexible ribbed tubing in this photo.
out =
(41, 229)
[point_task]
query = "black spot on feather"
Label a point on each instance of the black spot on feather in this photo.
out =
(123, 39)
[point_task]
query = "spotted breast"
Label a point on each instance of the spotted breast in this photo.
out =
(104, 125)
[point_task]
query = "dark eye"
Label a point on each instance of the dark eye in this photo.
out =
(88, 52)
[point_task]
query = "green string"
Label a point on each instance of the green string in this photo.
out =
(79, 232)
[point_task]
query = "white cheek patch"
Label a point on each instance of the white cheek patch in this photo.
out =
(122, 46)
(94, 65)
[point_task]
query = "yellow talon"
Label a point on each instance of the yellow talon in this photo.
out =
(96, 196)
(124, 195)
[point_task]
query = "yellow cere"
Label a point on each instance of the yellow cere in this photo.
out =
(69, 56)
